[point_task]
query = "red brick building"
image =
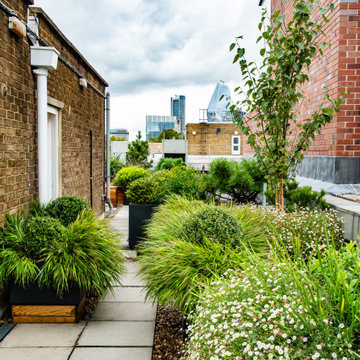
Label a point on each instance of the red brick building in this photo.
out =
(334, 155)
(74, 115)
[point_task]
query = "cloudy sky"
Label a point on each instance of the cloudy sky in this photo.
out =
(150, 50)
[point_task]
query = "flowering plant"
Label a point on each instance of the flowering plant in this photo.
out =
(264, 313)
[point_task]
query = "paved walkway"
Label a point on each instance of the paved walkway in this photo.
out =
(121, 328)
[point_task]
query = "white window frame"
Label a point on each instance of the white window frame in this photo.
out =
(233, 151)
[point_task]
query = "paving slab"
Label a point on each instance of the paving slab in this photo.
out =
(132, 266)
(43, 335)
(118, 333)
(96, 353)
(132, 280)
(35, 353)
(126, 294)
(112, 311)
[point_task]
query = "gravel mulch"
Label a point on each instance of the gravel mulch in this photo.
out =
(169, 334)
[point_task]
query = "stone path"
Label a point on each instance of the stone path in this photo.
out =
(121, 328)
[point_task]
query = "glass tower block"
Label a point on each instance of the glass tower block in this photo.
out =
(217, 110)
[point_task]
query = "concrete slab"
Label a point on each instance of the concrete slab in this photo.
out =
(126, 294)
(43, 335)
(124, 312)
(132, 281)
(96, 353)
(118, 333)
(35, 353)
(132, 267)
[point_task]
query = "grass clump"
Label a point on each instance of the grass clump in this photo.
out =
(176, 267)
(41, 250)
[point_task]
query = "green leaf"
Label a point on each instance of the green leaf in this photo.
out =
(232, 46)
(262, 51)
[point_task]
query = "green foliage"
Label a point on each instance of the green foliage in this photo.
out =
(144, 191)
(117, 138)
(213, 223)
(307, 229)
(152, 139)
(138, 152)
(40, 250)
(167, 134)
(243, 181)
(175, 268)
(273, 93)
(300, 197)
(169, 163)
(127, 175)
(40, 232)
(66, 208)
(115, 165)
(273, 311)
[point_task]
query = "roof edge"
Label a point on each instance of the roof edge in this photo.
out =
(39, 11)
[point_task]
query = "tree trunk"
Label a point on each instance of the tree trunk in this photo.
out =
(279, 195)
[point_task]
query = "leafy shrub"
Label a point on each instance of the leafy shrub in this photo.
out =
(66, 208)
(175, 268)
(144, 191)
(300, 197)
(268, 311)
(214, 223)
(85, 253)
(40, 232)
(115, 165)
(242, 181)
(301, 230)
(169, 163)
(127, 175)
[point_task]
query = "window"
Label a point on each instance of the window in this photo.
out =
(235, 145)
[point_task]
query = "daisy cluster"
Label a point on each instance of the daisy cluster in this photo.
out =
(247, 317)
(313, 228)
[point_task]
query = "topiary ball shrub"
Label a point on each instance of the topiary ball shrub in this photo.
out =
(215, 223)
(66, 208)
(127, 175)
(143, 191)
(40, 232)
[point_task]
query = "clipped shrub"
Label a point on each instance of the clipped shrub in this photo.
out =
(145, 190)
(127, 175)
(169, 163)
(66, 208)
(213, 223)
(175, 268)
(243, 181)
(40, 233)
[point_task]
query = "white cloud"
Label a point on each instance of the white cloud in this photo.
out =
(149, 50)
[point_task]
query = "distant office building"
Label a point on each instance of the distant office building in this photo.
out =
(120, 133)
(217, 110)
(178, 110)
(155, 124)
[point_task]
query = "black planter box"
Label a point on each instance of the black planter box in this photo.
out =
(34, 295)
(139, 215)
(126, 200)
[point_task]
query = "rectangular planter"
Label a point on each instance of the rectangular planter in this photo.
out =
(35, 304)
(116, 195)
(139, 215)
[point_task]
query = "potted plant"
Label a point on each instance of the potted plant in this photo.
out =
(51, 263)
(126, 176)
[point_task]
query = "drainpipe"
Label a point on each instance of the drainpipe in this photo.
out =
(43, 161)
(43, 58)
(107, 119)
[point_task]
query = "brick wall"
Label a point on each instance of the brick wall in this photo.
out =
(210, 138)
(81, 113)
